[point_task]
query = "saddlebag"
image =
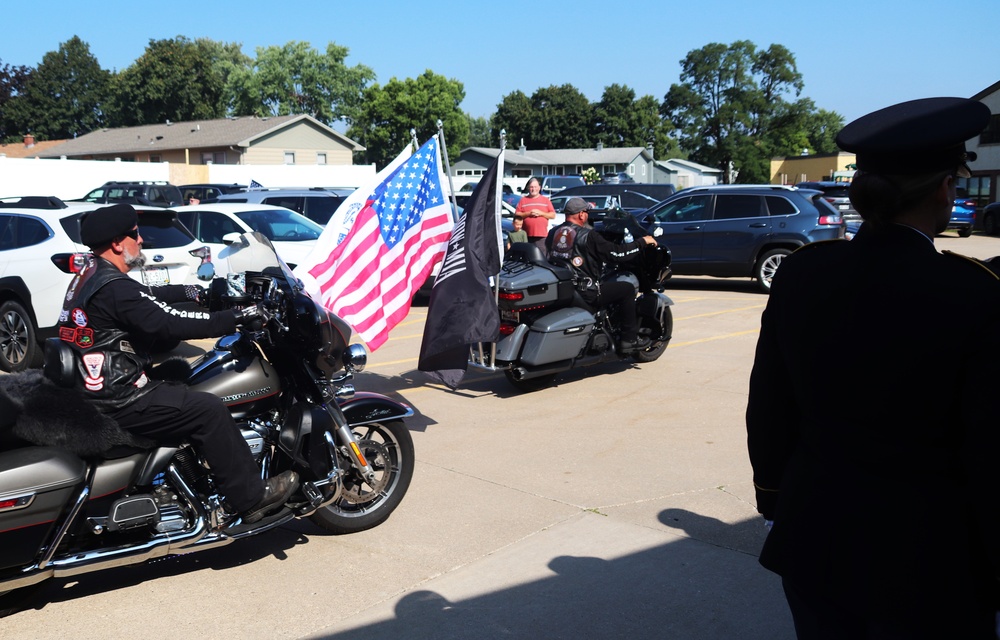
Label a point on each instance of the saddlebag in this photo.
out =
(36, 484)
(560, 335)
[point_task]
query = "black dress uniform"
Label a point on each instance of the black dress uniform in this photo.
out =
(874, 433)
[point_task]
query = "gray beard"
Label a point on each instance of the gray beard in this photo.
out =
(135, 261)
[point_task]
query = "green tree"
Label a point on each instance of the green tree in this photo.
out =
(514, 115)
(621, 120)
(176, 79)
(480, 134)
(63, 97)
(388, 113)
(12, 83)
(730, 109)
(821, 129)
(295, 78)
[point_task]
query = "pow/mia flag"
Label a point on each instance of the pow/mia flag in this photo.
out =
(462, 309)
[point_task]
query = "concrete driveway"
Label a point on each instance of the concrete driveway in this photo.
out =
(617, 503)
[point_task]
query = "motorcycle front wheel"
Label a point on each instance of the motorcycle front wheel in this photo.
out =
(656, 349)
(388, 448)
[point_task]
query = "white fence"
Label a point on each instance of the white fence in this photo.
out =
(68, 179)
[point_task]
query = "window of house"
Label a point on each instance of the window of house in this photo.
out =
(991, 135)
(631, 169)
(155, 159)
(320, 158)
(289, 157)
(608, 168)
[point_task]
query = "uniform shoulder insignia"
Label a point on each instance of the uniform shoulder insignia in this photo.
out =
(975, 261)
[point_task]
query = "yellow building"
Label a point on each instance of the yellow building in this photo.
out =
(824, 166)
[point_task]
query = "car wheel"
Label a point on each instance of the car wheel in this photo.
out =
(965, 232)
(767, 266)
(990, 225)
(19, 348)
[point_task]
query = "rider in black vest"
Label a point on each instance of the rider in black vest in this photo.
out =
(111, 321)
(585, 251)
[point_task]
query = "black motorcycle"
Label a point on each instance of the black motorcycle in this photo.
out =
(79, 494)
(547, 328)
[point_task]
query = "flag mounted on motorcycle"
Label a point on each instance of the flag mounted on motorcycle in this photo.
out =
(369, 275)
(462, 308)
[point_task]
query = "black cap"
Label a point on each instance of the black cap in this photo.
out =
(919, 136)
(575, 205)
(101, 226)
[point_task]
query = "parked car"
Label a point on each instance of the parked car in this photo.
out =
(207, 191)
(40, 251)
(631, 197)
(150, 194)
(554, 184)
(963, 216)
(991, 219)
(622, 177)
(317, 203)
(837, 194)
(292, 234)
(740, 230)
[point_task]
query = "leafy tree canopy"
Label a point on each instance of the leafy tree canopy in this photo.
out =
(730, 108)
(388, 113)
(12, 82)
(295, 78)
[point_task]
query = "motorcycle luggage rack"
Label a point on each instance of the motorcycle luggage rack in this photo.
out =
(483, 355)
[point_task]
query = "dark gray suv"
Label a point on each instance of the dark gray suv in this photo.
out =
(740, 231)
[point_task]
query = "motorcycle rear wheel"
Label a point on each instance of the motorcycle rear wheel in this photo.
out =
(389, 450)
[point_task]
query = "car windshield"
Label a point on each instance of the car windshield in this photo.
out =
(562, 183)
(281, 224)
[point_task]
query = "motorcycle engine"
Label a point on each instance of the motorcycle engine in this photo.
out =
(254, 433)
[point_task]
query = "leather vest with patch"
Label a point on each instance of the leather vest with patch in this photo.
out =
(569, 243)
(111, 373)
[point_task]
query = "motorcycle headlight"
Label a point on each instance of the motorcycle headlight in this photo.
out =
(355, 358)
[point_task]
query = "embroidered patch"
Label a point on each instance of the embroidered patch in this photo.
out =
(67, 334)
(126, 346)
(84, 337)
(577, 261)
(141, 382)
(79, 317)
(94, 363)
(64, 315)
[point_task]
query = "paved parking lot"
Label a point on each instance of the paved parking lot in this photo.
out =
(617, 502)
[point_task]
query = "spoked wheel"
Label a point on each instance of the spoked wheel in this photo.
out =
(389, 450)
(18, 347)
(531, 384)
(767, 266)
(655, 350)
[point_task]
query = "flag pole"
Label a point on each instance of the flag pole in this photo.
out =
(498, 198)
(447, 169)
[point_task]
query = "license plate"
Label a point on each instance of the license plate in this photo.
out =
(509, 316)
(843, 207)
(156, 276)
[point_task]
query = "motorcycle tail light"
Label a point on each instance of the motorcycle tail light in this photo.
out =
(204, 253)
(507, 329)
(513, 296)
(71, 262)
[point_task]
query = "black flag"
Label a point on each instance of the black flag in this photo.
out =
(463, 309)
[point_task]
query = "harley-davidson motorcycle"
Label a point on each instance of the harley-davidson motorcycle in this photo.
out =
(286, 382)
(547, 328)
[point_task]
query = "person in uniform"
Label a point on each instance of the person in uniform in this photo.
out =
(873, 421)
(579, 247)
(111, 321)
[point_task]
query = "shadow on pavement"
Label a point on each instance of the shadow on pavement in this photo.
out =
(690, 589)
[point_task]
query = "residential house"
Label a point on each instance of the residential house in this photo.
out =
(684, 173)
(812, 168)
(982, 186)
(291, 140)
(638, 162)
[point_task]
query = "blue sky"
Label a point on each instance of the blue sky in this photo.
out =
(854, 56)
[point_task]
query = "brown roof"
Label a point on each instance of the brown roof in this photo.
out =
(18, 150)
(224, 132)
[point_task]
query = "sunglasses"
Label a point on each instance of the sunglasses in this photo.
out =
(134, 234)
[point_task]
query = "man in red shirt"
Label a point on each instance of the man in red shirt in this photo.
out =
(536, 210)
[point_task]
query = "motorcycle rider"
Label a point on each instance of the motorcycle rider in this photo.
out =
(110, 321)
(576, 245)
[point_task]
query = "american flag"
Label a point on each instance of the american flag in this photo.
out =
(398, 236)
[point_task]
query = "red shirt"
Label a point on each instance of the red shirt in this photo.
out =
(536, 227)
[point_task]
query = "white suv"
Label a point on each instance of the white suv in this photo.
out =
(40, 251)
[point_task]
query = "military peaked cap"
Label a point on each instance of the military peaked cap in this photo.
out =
(919, 136)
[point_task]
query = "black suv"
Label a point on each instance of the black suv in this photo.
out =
(148, 193)
(734, 231)
(206, 191)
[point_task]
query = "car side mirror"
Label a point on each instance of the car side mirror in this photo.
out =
(206, 271)
(232, 238)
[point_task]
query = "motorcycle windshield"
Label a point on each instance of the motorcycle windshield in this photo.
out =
(254, 252)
